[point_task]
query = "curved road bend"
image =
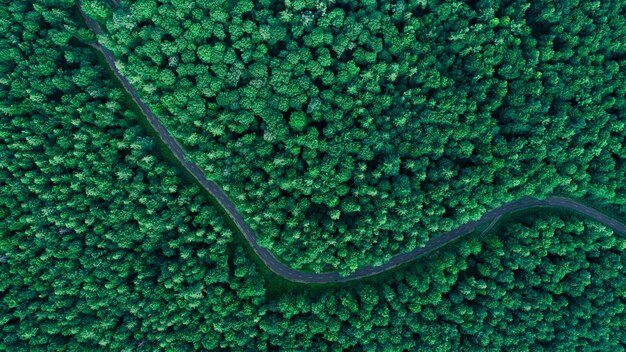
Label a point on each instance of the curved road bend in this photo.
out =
(307, 277)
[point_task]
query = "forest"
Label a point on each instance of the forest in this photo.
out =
(347, 131)
(106, 245)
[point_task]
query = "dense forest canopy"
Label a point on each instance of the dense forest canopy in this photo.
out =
(104, 245)
(347, 131)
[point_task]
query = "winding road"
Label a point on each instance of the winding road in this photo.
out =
(288, 273)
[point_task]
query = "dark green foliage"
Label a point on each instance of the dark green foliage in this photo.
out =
(346, 130)
(104, 247)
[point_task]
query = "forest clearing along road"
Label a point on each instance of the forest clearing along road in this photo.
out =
(308, 277)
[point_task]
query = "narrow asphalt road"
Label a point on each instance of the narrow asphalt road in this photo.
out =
(307, 277)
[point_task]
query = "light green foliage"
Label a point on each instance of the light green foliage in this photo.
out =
(143, 9)
(96, 9)
(297, 121)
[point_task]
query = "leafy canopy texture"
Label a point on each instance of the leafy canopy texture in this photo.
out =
(104, 246)
(347, 131)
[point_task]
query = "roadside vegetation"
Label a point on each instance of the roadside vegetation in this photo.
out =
(103, 245)
(345, 131)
